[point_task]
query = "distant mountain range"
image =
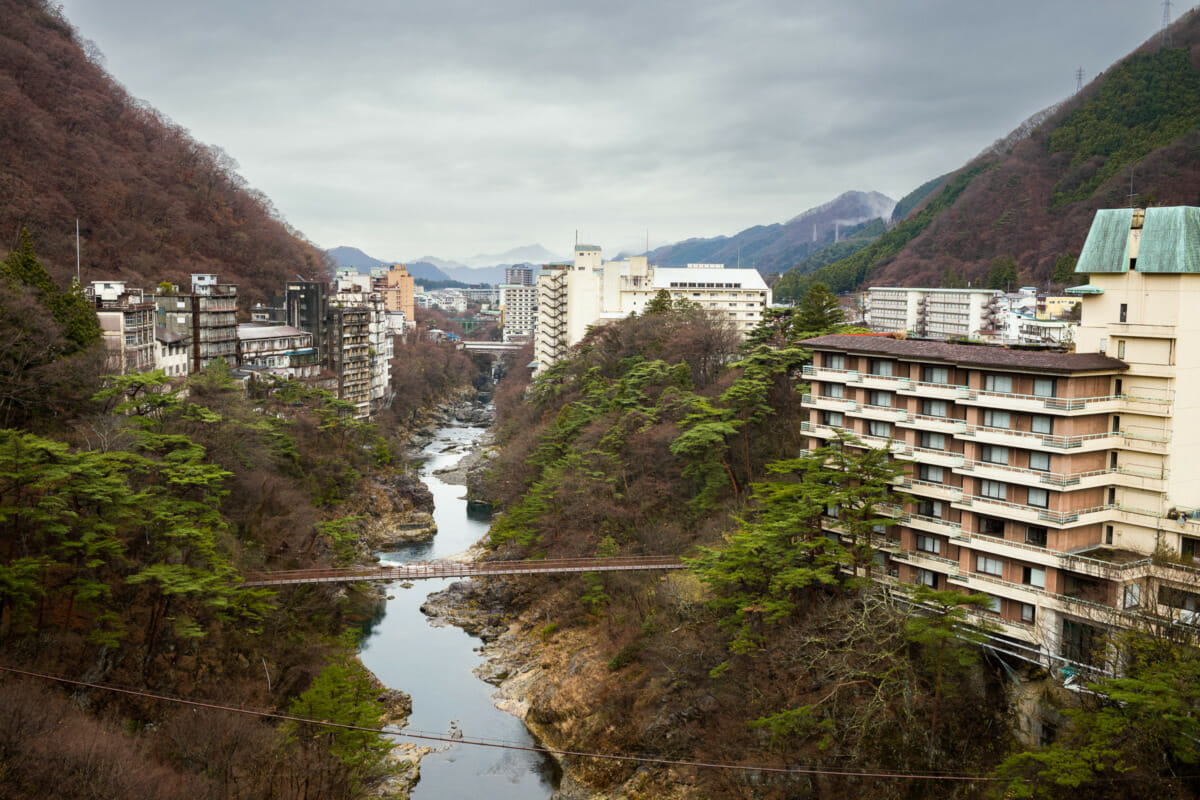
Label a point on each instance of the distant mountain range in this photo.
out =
(779, 247)
(478, 269)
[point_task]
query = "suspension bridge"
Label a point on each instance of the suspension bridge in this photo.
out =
(422, 570)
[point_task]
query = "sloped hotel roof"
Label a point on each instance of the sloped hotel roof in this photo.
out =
(1170, 242)
(979, 356)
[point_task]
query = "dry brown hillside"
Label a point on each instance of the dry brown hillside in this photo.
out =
(153, 203)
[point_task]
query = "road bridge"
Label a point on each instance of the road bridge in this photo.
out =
(421, 570)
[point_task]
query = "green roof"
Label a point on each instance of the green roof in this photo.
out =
(1170, 240)
(1086, 288)
(1107, 245)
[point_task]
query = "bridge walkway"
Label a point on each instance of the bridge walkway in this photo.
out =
(421, 570)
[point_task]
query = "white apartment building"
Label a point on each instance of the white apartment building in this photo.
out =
(1061, 485)
(518, 311)
(933, 313)
(573, 297)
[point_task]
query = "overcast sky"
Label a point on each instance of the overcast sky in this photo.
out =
(457, 127)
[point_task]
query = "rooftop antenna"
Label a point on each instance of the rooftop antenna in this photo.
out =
(1164, 36)
(1079, 80)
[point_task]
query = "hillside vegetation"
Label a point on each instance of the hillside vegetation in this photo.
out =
(1138, 125)
(152, 203)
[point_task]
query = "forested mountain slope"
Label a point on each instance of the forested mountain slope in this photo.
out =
(153, 204)
(1131, 136)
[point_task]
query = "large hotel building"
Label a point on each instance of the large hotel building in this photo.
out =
(1064, 486)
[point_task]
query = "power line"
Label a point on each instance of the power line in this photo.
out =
(503, 745)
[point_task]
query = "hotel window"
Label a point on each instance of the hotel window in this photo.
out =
(1133, 595)
(1028, 613)
(1033, 576)
(881, 368)
(993, 454)
(940, 375)
(1039, 461)
(988, 565)
(1039, 498)
(993, 489)
(1120, 348)
(883, 399)
(933, 408)
(1040, 423)
(933, 441)
(931, 473)
(928, 544)
(832, 418)
(1043, 387)
(835, 390)
(993, 604)
(1035, 535)
(927, 578)
(1124, 311)
(930, 508)
(835, 361)
(881, 429)
(996, 419)
(990, 526)
(999, 383)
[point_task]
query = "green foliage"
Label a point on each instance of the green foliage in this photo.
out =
(594, 597)
(1002, 274)
(660, 303)
(69, 309)
(342, 536)
(843, 249)
(771, 567)
(820, 309)
(915, 197)
(343, 694)
(1064, 270)
(848, 274)
(1146, 102)
(1141, 728)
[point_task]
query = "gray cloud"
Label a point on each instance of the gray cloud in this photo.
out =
(463, 126)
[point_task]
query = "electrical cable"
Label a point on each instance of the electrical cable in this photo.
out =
(500, 744)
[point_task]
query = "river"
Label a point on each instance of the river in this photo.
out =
(434, 664)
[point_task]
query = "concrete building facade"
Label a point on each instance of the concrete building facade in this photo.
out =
(933, 313)
(126, 324)
(208, 316)
(1061, 485)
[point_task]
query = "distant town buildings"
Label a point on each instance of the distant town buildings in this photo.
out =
(518, 311)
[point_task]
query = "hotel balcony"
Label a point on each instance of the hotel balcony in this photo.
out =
(1018, 512)
(922, 422)
(1029, 439)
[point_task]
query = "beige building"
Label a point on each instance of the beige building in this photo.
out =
(1061, 485)
(399, 291)
(126, 324)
